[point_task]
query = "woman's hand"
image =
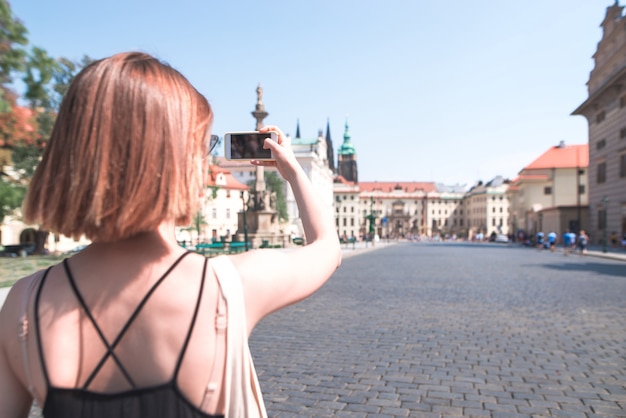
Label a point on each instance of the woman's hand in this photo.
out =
(284, 158)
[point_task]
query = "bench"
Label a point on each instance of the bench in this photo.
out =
(351, 240)
(210, 249)
(237, 247)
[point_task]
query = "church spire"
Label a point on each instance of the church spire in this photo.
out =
(346, 148)
(298, 129)
(330, 152)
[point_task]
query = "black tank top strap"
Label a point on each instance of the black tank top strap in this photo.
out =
(111, 347)
(38, 330)
(98, 330)
(193, 322)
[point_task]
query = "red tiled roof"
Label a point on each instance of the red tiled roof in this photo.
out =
(342, 180)
(568, 156)
(390, 186)
(231, 182)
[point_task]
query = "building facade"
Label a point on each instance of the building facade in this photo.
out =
(487, 208)
(605, 111)
(223, 199)
(551, 193)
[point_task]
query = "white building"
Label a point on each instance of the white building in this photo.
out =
(487, 208)
(223, 200)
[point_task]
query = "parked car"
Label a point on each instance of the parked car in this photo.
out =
(17, 249)
(501, 238)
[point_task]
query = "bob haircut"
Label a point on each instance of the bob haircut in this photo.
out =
(127, 152)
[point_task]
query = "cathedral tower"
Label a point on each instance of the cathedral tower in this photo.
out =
(346, 159)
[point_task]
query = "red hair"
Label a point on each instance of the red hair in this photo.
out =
(126, 152)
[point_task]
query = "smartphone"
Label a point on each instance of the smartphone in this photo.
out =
(247, 145)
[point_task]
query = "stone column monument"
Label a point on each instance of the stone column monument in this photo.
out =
(260, 220)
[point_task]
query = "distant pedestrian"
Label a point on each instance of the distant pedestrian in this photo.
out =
(569, 239)
(552, 240)
(539, 240)
(583, 241)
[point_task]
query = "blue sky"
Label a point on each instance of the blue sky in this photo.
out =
(447, 91)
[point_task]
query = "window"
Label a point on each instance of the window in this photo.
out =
(214, 213)
(493, 221)
(581, 189)
(600, 116)
(601, 175)
(351, 221)
(345, 221)
(547, 190)
(622, 101)
(601, 144)
(227, 213)
(622, 133)
(352, 209)
(460, 222)
(622, 165)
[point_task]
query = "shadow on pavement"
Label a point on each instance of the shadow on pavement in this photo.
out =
(618, 270)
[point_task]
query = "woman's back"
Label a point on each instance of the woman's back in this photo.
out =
(147, 342)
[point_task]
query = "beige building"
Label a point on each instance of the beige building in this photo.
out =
(347, 204)
(605, 111)
(550, 194)
(487, 208)
(399, 208)
(408, 209)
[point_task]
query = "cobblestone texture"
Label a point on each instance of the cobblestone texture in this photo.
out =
(451, 330)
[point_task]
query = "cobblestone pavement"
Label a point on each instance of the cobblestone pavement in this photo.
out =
(450, 330)
(447, 330)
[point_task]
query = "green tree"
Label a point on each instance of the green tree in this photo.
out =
(25, 132)
(12, 54)
(11, 196)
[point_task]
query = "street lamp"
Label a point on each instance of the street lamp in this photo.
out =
(605, 207)
(245, 222)
(338, 204)
(371, 217)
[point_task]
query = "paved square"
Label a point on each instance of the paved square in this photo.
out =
(445, 330)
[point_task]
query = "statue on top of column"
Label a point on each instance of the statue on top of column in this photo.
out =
(259, 95)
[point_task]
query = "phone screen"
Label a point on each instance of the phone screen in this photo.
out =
(249, 146)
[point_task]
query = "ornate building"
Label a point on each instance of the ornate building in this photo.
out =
(605, 111)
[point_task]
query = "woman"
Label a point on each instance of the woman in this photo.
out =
(129, 327)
